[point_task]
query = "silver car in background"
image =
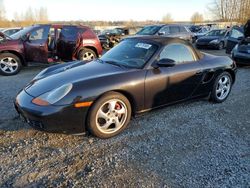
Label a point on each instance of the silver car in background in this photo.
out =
(168, 30)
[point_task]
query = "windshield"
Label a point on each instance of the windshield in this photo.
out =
(149, 30)
(216, 33)
(110, 31)
(130, 54)
(21, 33)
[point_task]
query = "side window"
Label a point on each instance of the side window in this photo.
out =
(39, 34)
(174, 29)
(69, 32)
(236, 34)
(182, 29)
(165, 30)
(177, 52)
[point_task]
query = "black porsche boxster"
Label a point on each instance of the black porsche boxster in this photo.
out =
(138, 75)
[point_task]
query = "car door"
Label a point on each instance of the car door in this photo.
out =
(66, 42)
(35, 46)
(184, 34)
(235, 36)
(174, 31)
(166, 85)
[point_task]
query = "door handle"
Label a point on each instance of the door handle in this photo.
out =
(41, 45)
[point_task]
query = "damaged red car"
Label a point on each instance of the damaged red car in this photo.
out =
(46, 44)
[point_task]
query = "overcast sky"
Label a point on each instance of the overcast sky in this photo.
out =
(113, 10)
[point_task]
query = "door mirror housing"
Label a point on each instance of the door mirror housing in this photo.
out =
(164, 63)
(161, 33)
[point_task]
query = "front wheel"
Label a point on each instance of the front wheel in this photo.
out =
(109, 115)
(10, 64)
(222, 87)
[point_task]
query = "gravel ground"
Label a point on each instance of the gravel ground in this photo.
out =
(194, 144)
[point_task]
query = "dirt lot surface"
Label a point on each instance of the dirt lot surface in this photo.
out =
(195, 144)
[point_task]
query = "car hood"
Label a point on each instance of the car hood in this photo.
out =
(52, 78)
(208, 38)
(6, 42)
(5, 36)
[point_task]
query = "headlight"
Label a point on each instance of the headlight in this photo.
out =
(214, 41)
(52, 96)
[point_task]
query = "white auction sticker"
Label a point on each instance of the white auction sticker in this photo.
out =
(143, 45)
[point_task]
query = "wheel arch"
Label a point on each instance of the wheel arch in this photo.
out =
(231, 72)
(24, 63)
(122, 92)
(125, 94)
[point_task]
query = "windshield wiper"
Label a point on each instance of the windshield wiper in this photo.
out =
(116, 63)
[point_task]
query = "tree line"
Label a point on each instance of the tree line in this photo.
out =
(230, 10)
(221, 10)
(29, 17)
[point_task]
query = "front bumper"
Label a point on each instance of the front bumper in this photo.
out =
(59, 119)
(241, 58)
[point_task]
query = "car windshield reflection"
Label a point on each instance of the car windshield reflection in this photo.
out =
(130, 54)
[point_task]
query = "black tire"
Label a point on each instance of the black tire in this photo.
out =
(9, 69)
(214, 96)
(94, 128)
(87, 54)
(220, 45)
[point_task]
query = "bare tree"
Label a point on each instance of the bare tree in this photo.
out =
(129, 23)
(230, 10)
(2, 11)
(167, 18)
(197, 17)
(16, 17)
(244, 11)
(42, 14)
(29, 15)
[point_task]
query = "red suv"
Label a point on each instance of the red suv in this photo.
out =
(45, 44)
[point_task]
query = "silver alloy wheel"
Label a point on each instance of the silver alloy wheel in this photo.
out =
(88, 56)
(223, 87)
(111, 116)
(8, 65)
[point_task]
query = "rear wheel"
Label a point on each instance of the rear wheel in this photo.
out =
(109, 115)
(222, 88)
(10, 64)
(87, 55)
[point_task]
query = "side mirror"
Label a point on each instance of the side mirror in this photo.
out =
(162, 33)
(164, 63)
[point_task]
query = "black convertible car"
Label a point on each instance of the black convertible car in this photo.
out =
(213, 39)
(138, 75)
